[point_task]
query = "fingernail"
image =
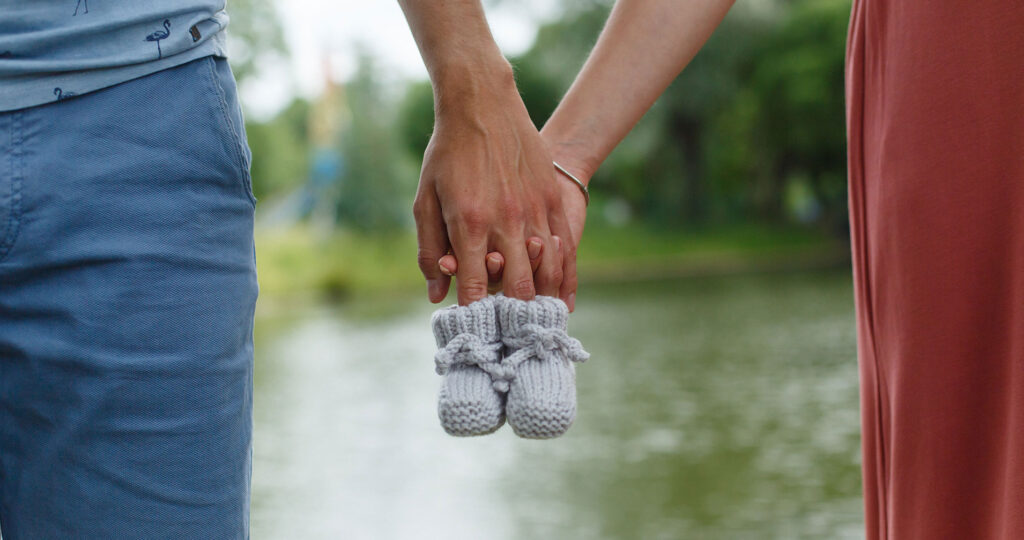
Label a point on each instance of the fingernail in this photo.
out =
(558, 242)
(445, 270)
(433, 289)
(493, 265)
(533, 248)
(572, 301)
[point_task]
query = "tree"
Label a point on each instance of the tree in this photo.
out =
(280, 150)
(799, 80)
(376, 188)
(254, 35)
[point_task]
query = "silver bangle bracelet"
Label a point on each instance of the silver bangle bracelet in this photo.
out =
(582, 186)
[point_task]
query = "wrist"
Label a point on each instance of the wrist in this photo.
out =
(571, 155)
(462, 83)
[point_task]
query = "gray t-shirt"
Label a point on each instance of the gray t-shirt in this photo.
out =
(51, 50)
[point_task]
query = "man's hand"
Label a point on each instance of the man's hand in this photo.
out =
(486, 186)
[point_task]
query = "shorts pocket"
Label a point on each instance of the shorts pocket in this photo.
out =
(11, 172)
(222, 83)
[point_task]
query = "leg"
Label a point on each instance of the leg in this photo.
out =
(126, 307)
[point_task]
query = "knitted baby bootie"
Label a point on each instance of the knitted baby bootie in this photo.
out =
(542, 394)
(470, 351)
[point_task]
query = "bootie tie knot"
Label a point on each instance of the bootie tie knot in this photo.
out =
(470, 350)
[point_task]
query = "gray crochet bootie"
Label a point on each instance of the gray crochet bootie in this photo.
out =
(542, 393)
(470, 352)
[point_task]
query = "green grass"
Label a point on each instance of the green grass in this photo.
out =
(636, 252)
(603, 243)
(297, 263)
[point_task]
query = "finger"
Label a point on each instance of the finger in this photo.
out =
(548, 270)
(517, 276)
(432, 238)
(534, 250)
(448, 265)
(471, 282)
(560, 228)
(499, 262)
(495, 264)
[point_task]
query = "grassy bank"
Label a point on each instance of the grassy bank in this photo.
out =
(300, 264)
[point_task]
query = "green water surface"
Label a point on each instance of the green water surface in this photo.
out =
(720, 407)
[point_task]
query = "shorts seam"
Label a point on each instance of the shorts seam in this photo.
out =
(17, 170)
(236, 146)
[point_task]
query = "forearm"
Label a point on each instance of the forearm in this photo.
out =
(643, 47)
(458, 49)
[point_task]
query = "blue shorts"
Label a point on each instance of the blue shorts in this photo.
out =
(127, 289)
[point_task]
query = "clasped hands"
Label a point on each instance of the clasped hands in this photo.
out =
(491, 209)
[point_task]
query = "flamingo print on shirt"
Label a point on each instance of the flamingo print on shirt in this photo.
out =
(159, 36)
(66, 44)
(62, 95)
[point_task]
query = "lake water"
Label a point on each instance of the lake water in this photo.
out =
(718, 407)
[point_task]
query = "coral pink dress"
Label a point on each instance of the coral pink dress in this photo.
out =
(935, 110)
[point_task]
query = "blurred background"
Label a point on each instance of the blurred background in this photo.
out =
(715, 296)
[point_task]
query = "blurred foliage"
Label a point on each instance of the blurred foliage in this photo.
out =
(749, 138)
(376, 190)
(416, 118)
(295, 262)
(280, 150)
(255, 36)
(751, 131)
(799, 85)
